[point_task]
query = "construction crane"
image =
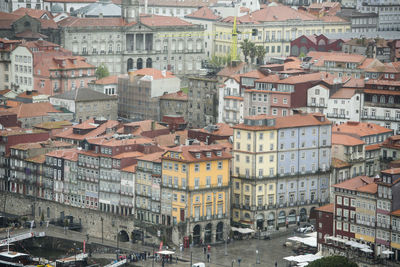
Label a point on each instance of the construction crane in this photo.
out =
(234, 55)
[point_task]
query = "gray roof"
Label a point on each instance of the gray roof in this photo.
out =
(84, 95)
(105, 8)
(57, 8)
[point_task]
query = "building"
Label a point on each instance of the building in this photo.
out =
(360, 21)
(25, 176)
(90, 128)
(148, 188)
(174, 104)
(6, 46)
(304, 44)
(206, 17)
(372, 135)
(324, 223)
(101, 8)
(196, 187)
(395, 238)
(350, 150)
(345, 105)
(30, 114)
(372, 48)
(135, 42)
(230, 101)
(29, 24)
(138, 98)
(107, 85)
(202, 102)
(62, 166)
(14, 5)
(389, 152)
(211, 134)
(274, 27)
(281, 169)
(86, 103)
(387, 13)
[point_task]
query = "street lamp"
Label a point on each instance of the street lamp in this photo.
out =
(102, 237)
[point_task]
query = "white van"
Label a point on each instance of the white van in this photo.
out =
(199, 264)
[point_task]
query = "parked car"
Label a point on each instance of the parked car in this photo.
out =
(306, 228)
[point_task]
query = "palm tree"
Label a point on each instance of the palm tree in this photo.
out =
(246, 47)
(260, 54)
(252, 52)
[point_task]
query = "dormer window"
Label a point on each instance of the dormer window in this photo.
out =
(219, 153)
(197, 155)
(208, 154)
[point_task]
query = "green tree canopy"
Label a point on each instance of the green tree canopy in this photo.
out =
(333, 261)
(253, 51)
(246, 46)
(102, 72)
(260, 54)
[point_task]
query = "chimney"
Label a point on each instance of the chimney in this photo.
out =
(164, 73)
(101, 15)
(145, 6)
(177, 140)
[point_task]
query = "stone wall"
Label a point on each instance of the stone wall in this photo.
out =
(90, 219)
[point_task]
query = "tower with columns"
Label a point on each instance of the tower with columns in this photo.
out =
(130, 10)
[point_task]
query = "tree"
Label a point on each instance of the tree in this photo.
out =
(333, 261)
(260, 54)
(252, 52)
(246, 47)
(102, 72)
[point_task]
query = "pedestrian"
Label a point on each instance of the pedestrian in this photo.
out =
(176, 259)
(208, 257)
(204, 250)
(209, 248)
(276, 264)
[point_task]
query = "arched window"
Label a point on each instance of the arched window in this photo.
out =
(382, 99)
(129, 64)
(391, 99)
(149, 63)
(374, 99)
(27, 24)
(139, 64)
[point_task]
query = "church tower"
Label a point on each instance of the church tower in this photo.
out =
(130, 10)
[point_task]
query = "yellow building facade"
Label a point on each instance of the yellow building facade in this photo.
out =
(197, 178)
(273, 27)
(365, 216)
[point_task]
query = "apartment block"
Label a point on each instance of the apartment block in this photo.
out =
(281, 169)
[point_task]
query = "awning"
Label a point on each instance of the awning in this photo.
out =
(309, 241)
(303, 258)
(242, 230)
(165, 252)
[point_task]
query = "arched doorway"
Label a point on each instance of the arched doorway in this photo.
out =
(129, 64)
(139, 64)
(196, 234)
(282, 218)
(271, 220)
(220, 232)
(149, 63)
(303, 215)
(312, 213)
(260, 221)
(207, 233)
(292, 217)
(123, 236)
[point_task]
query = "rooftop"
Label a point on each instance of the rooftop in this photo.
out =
(360, 129)
(187, 153)
(177, 96)
(204, 13)
(84, 95)
(154, 73)
(327, 208)
(346, 140)
(355, 183)
(30, 110)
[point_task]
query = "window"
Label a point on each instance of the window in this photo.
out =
(219, 180)
(196, 167)
(219, 165)
(196, 183)
(208, 181)
(208, 166)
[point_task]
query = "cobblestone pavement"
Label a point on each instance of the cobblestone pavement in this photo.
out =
(269, 251)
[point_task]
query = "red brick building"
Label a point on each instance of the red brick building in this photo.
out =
(305, 44)
(324, 223)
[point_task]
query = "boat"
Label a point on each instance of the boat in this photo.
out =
(13, 258)
(76, 261)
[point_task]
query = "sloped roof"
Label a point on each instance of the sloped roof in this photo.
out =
(163, 21)
(231, 70)
(344, 93)
(113, 79)
(203, 13)
(28, 110)
(34, 13)
(327, 208)
(355, 183)
(68, 154)
(153, 157)
(155, 73)
(360, 128)
(178, 96)
(346, 140)
(75, 22)
(84, 95)
(338, 163)
(106, 9)
(188, 153)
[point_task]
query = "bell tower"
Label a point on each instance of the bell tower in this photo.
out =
(130, 10)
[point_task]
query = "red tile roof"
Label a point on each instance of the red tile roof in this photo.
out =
(344, 93)
(256, 74)
(68, 154)
(346, 140)
(370, 188)
(153, 157)
(321, 57)
(29, 110)
(222, 130)
(131, 168)
(137, 140)
(383, 82)
(203, 13)
(297, 120)
(34, 13)
(373, 147)
(179, 96)
(395, 213)
(113, 79)
(168, 140)
(330, 208)
(272, 14)
(163, 21)
(392, 171)
(360, 128)
(231, 70)
(354, 83)
(74, 22)
(188, 153)
(155, 73)
(355, 183)
(132, 154)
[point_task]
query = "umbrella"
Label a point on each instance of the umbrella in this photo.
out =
(165, 252)
(367, 250)
(387, 252)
